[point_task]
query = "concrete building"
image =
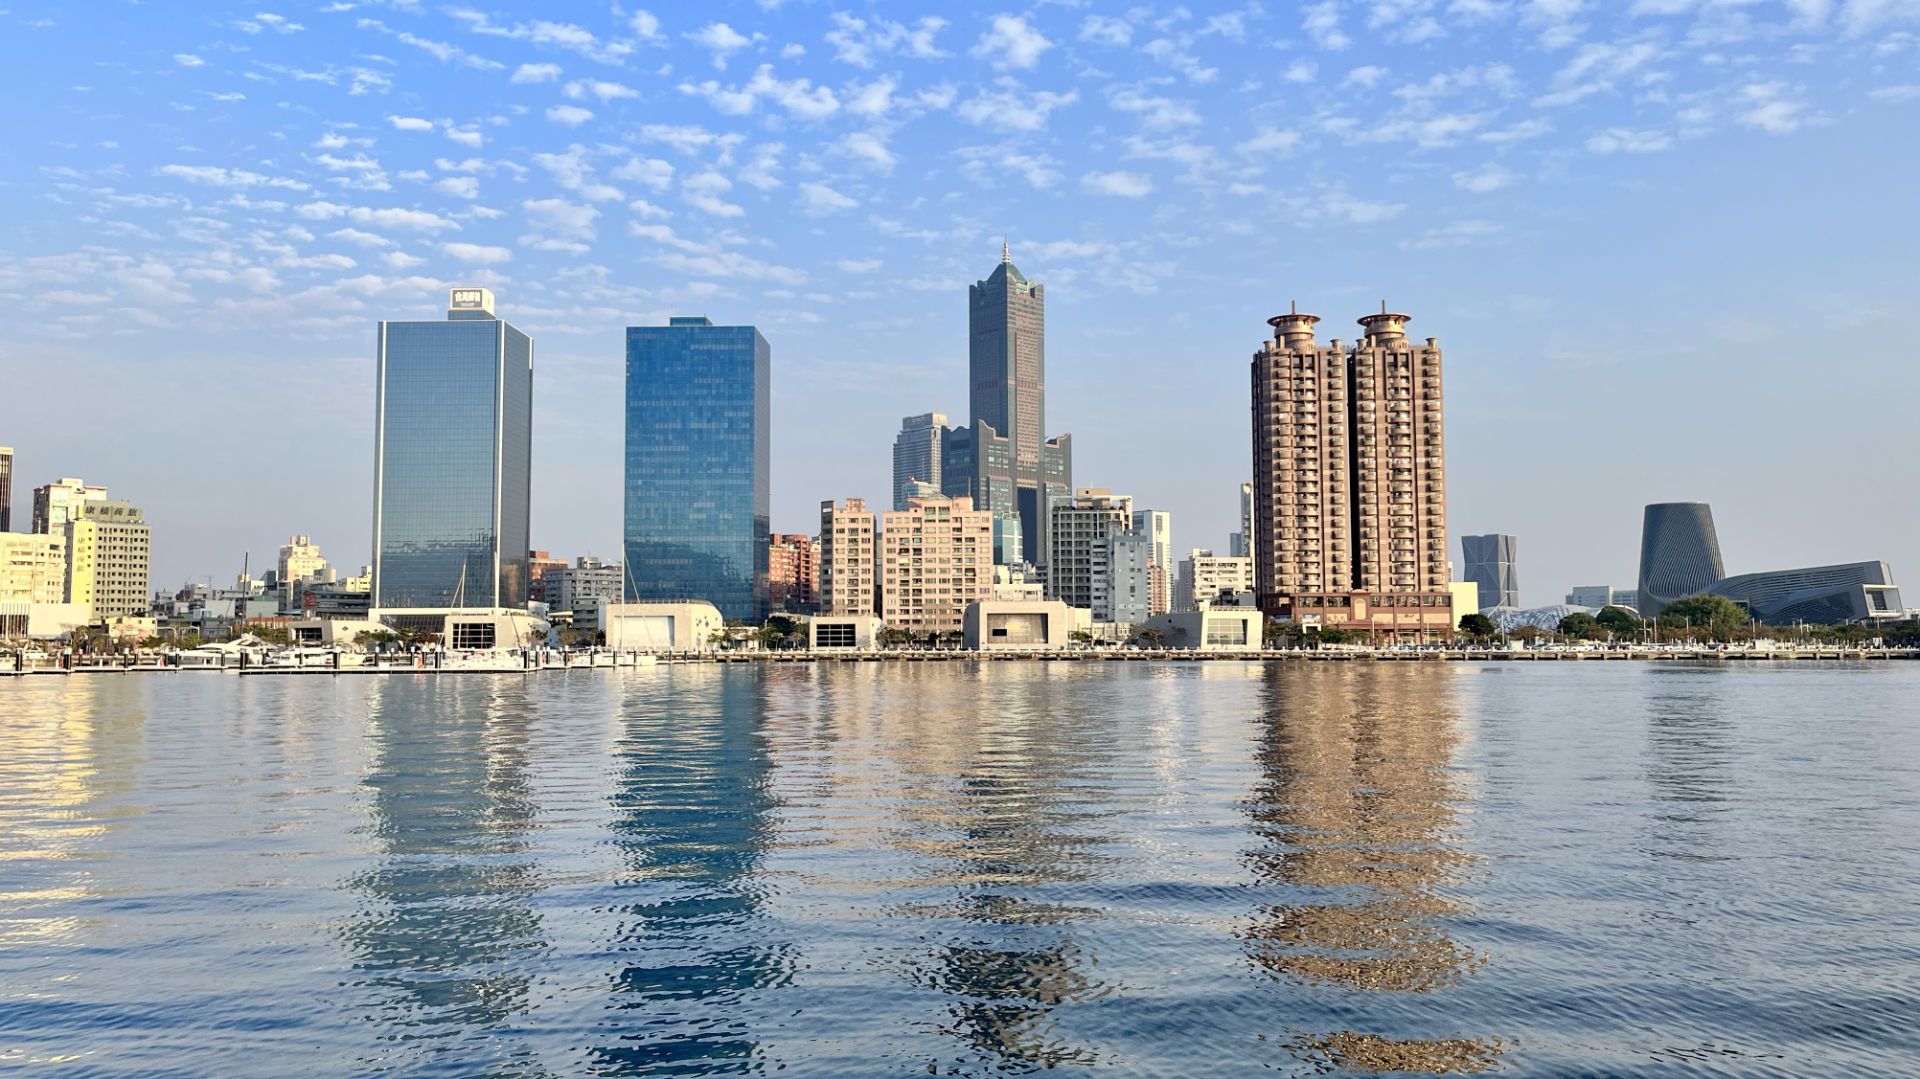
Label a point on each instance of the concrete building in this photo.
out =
(1489, 562)
(299, 561)
(848, 559)
(538, 563)
(1205, 576)
(1466, 599)
(1130, 573)
(1215, 629)
(33, 568)
(1349, 479)
(1680, 557)
(844, 633)
(1598, 596)
(793, 573)
(22, 621)
(583, 586)
(661, 627)
(1022, 625)
(698, 460)
(56, 503)
(1157, 527)
(109, 555)
(936, 556)
(1679, 554)
(453, 462)
(917, 457)
(6, 488)
(1081, 544)
(1006, 360)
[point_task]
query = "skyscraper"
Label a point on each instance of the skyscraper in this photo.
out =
(917, 455)
(6, 488)
(1349, 479)
(453, 461)
(697, 462)
(1490, 564)
(1679, 554)
(1157, 528)
(1240, 543)
(1006, 359)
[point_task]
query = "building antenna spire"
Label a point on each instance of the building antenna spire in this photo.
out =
(1293, 307)
(1383, 307)
(1006, 254)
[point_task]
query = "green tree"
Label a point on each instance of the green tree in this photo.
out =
(1478, 626)
(1711, 617)
(894, 637)
(1285, 633)
(1081, 636)
(1527, 634)
(1334, 635)
(1618, 620)
(1581, 626)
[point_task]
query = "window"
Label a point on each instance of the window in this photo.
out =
(472, 635)
(834, 635)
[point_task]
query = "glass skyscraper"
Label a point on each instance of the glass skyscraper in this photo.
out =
(1007, 362)
(453, 460)
(697, 464)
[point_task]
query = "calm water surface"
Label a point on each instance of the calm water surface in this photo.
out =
(890, 870)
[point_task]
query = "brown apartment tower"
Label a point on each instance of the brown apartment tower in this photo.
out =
(1350, 496)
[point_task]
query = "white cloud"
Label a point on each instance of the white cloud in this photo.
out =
(187, 59)
(873, 99)
(1271, 141)
(857, 41)
(1009, 110)
(1322, 23)
(1484, 179)
(643, 208)
(465, 136)
(559, 225)
(532, 73)
(1128, 185)
(1898, 94)
(267, 20)
(1340, 206)
(650, 171)
(722, 40)
(858, 265)
(1011, 43)
(214, 176)
(1620, 140)
(1458, 234)
(1154, 111)
(568, 115)
(477, 254)
(461, 187)
(400, 260)
(1102, 30)
(558, 35)
(359, 238)
(605, 91)
(440, 50)
(868, 148)
(703, 190)
(799, 97)
(1771, 112)
(410, 123)
(646, 27)
(762, 171)
(818, 200)
(417, 220)
(572, 171)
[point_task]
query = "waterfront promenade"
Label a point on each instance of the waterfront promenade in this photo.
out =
(439, 663)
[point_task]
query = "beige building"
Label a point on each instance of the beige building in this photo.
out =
(300, 560)
(936, 556)
(57, 503)
(1205, 575)
(33, 568)
(847, 584)
(1350, 479)
(1215, 629)
(108, 559)
(689, 626)
(1023, 625)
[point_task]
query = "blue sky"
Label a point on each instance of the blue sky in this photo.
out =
(1669, 245)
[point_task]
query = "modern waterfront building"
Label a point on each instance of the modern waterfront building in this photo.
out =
(1205, 577)
(56, 503)
(917, 457)
(684, 626)
(1679, 546)
(109, 556)
(6, 488)
(697, 463)
(1600, 596)
(453, 462)
(1211, 629)
(1156, 526)
(1006, 362)
(1022, 625)
(1489, 563)
(936, 557)
(793, 573)
(1679, 554)
(1081, 542)
(1350, 479)
(848, 558)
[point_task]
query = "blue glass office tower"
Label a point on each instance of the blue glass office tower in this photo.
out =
(453, 460)
(697, 464)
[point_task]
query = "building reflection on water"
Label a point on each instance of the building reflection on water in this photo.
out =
(692, 820)
(448, 939)
(1359, 812)
(988, 797)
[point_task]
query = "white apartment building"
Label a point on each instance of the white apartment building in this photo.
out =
(936, 557)
(33, 568)
(847, 563)
(1080, 548)
(1205, 575)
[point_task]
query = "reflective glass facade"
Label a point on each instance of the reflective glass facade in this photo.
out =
(453, 464)
(697, 465)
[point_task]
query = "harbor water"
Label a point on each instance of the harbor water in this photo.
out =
(1141, 869)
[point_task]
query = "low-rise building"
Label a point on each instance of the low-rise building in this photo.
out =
(1215, 629)
(1204, 576)
(580, 587)
(1023, 625)
(663, 626)
(844, 633)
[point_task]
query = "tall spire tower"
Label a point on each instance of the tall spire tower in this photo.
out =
(1006, 322)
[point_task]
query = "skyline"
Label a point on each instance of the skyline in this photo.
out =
(1577, 391)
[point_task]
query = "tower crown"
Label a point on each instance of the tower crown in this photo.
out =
(1386, 328)
(1294, 329)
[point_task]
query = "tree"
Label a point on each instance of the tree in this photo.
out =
(1526, 634)
(1335, 635)
(1081, 636)
(894, 636)
(1581, 626)
(1150, 638)
(1284, 633)
(1708, 616)
(1478, 626)
(1618, 620)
